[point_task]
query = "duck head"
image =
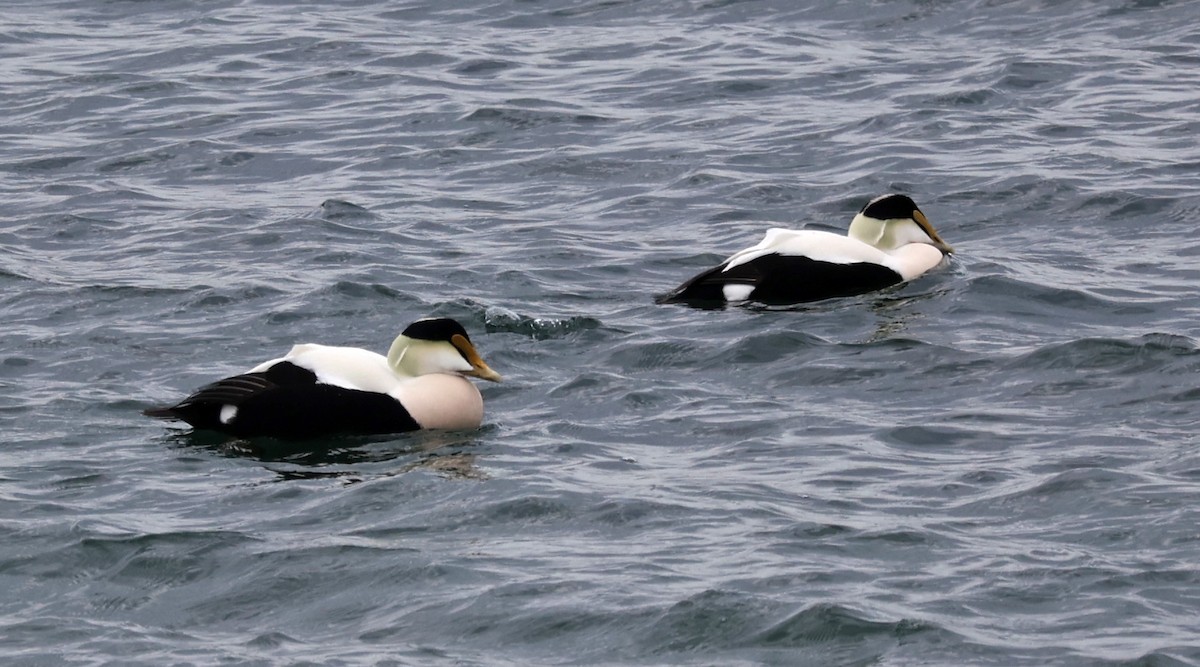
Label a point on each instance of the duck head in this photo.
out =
(437, 345)
(891, 221)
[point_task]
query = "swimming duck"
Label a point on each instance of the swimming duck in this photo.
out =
(889, 241)
(318, 390)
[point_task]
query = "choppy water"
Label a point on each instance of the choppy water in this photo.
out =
(994, 465)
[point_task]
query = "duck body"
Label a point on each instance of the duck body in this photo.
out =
(321, 390)
(890, 241)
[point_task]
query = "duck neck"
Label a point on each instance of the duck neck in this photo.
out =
(399, 359)
(870, 231)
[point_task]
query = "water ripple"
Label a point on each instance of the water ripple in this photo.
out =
(992, 464)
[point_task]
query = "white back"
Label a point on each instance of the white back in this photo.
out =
(349, 367)
(913, 257)
(819, 245)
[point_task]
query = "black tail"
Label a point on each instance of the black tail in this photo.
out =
(703, 290)
(162, 412)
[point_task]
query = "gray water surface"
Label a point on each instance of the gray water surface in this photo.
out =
(995, 464)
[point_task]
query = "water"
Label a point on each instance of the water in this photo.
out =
(993, 465)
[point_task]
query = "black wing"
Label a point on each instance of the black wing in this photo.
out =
(286, 401)
(784, 279)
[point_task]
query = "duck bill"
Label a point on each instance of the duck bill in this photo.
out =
(943, 246)
(932, 233)
(479, 367)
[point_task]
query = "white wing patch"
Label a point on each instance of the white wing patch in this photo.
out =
(736, 291)
(228, 413)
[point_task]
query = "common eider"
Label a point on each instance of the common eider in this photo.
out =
(890, 241)
(320, 390)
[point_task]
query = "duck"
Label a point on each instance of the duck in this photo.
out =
(323, 390)
(889, 241)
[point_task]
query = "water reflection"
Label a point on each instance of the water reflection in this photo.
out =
(437, 451)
